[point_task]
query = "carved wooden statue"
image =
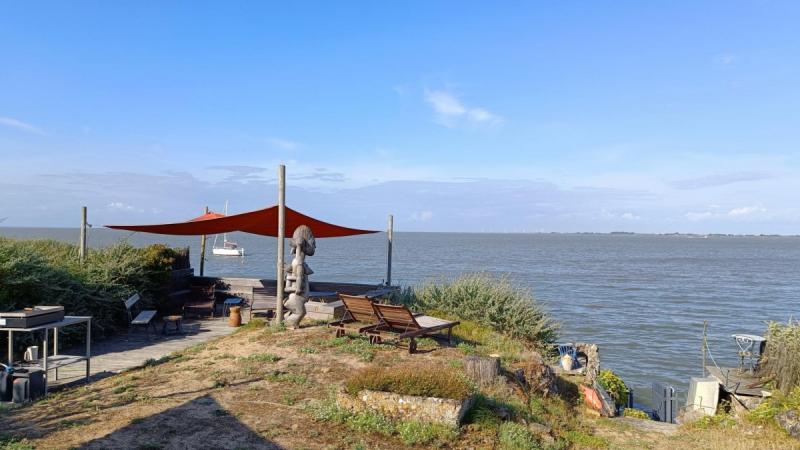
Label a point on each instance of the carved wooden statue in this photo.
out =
(303, 244)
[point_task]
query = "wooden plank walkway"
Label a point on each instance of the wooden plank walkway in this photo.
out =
(736, 382)
(133, 349)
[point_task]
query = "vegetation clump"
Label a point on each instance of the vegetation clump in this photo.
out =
(411, 379)
(47, 272)
(488, 300)
(780, 357)
(636, 414)
(614, 385)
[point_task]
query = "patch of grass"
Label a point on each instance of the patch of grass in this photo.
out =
(513, 436)
(771, 407)
(420, 433)
(411, 379)
(586, 440)
(224, 356)
(122, 389)
(254, 324)
(279, 376)
(308, 350)
(8, 442)
(356, 345)
(69, 423)
(137, 420)
(261, 357)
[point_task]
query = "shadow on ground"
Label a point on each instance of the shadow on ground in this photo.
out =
(201, 423)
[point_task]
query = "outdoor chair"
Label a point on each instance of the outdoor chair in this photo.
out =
(201, 298)
(142, 318)
(359, 315)
(263, 300)
(401, 323)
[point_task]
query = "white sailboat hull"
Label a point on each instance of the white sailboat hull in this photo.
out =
(228, 251)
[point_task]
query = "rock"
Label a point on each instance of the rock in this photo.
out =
(538, 376)
(688, 415)
(790, 421)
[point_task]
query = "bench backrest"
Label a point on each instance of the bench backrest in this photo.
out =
(397, 317)
(359, 308)
(131, 301)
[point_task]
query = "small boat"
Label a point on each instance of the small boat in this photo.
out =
(229, 248)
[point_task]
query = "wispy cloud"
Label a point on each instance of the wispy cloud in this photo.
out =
(20, 125)
(422, 216)
(725, 59)
(451, 111)
(742, 212)
(715, 180)
(284, 144)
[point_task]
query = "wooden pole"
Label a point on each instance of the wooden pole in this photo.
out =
(82, 249)
(705, 343)
(281, 234)
(203, 249)
(390, 237)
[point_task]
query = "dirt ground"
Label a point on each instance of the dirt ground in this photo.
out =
(248, 391)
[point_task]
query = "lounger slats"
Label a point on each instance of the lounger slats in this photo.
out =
(359, 309)
(397, 317)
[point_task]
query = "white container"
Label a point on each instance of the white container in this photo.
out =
(703, 395)
(31, 354)
(567, 362)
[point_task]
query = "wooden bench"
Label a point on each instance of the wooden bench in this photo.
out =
(403, 324)
(263, 300)
(143, 318)
(358, 315)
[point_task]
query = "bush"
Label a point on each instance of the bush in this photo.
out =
(513, 436)
(46, 272)
(411, 379)
(780, 357)
(485, 299)
(636, 413)
(614, 385)
(772, 406)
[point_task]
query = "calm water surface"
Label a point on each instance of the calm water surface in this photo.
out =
(642, 298)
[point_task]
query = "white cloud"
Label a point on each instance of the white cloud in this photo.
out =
(629, 216)
(422, 216)
(20, 125)
(746, 211)
(120, 206)
(450, 110)
(284, 144)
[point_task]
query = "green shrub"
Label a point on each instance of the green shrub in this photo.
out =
(420, 433)
(513, 436)
(772, 406)
(636, 413)
(46, 272)
(614, 385)
(780, 357)
(411, 379)
(488, 300)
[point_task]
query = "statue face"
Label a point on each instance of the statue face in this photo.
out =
(311, 246)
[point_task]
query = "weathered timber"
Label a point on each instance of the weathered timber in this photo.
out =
(482, 370)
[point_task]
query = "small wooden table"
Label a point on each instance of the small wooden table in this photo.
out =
(177, 320)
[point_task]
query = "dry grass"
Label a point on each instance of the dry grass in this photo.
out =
(780, 357)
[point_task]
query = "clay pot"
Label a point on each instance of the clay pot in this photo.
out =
(235, 318)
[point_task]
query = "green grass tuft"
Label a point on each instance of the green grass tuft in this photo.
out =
(411, 379)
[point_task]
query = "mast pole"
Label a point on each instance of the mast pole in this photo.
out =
(281, 234)
(82, 247)
(203, 249)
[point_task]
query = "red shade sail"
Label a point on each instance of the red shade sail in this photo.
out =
(262, 221)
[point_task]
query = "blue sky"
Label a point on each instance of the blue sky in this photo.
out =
(454, 116)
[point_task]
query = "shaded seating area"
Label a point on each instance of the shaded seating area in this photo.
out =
(201, 299)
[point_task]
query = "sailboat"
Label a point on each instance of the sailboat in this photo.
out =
(229, 248)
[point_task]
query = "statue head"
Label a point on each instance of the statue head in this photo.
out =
(303, 239)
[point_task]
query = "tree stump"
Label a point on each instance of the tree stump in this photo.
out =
(482, 370)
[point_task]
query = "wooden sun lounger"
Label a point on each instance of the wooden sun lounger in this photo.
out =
(358, 315)
(400, 322)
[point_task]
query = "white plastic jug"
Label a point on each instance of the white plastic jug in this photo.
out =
(31, 353)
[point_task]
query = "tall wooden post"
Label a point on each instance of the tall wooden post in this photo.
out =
(390, 236)
(82, 248)
(203, 249)
(281, 234)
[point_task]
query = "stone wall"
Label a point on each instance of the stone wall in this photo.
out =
(407, 407)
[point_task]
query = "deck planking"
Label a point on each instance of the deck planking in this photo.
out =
(736, 382)
(133, 348)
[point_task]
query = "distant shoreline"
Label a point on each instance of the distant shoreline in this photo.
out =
(566, 233)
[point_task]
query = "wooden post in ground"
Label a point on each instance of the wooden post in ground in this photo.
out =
(482, 370)
(281, 234)
(82, 245)
(390, 236)
(705, 344)
(203, 249)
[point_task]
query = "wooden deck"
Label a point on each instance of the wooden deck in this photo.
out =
(133, 349)
(736, 382)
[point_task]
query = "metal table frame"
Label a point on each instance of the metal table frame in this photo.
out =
(55, 360)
